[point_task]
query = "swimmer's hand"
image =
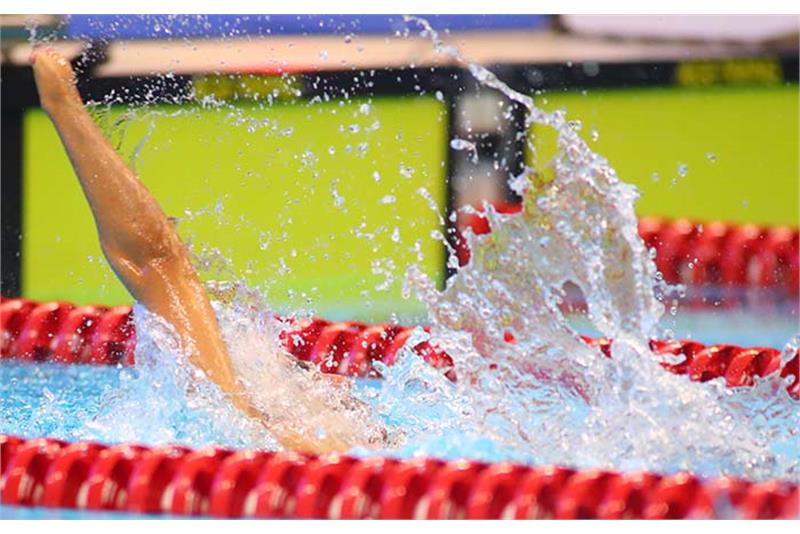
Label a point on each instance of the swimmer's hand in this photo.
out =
(55, 80)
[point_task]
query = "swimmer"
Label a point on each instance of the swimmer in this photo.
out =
(144, 250)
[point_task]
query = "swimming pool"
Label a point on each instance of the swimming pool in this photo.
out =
(463, 475)
(517, 416)
(53, 399)
(746, 276)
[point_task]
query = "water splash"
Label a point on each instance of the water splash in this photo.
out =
(297, 399)
(165, 399)
(546, 391)
(543, 398)
(469, 146)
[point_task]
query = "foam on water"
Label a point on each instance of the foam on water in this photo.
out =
(547, 395)
(545, 398)
(296, 398)
(165, 399)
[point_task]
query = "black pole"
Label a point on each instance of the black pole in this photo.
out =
(17, 92)
(11, 193)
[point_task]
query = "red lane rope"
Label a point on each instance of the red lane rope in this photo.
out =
(225, 483)
(713, 254)
(62, 332)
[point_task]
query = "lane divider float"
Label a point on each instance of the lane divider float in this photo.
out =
(248, 483)
(62, 332)
(725, 257)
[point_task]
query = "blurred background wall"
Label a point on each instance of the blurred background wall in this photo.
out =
(325, 168)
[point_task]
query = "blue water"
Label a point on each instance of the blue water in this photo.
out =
(48, 399)
(56, 400)
(21, 512)
(576, 407)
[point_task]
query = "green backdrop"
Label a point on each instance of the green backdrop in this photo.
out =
(318, 204)
(739, 146)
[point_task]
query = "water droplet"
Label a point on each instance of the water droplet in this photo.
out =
(463, 144)
(543, 203)
(338, 200)
(683, 170)
(711, 157)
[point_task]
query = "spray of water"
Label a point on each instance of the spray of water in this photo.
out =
(549, 397)
(543, 398)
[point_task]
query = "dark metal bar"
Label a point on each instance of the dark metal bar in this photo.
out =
(17, 92)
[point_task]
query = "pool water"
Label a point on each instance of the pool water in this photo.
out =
(22, 513)
(546, 398)
(56, 400)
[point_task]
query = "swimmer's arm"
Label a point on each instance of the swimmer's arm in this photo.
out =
(136, 236)
(141, 243)
(130, 222)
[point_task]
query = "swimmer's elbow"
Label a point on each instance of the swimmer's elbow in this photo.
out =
(139, 248)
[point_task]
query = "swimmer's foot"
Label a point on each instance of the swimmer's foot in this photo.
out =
(55, 81)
